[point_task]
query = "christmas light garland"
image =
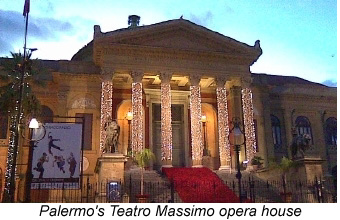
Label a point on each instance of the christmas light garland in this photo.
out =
(137, 120)
(106, 110)
(249, 129)
(223, 128)
(10, 154)
(196, 124)
(166, 127)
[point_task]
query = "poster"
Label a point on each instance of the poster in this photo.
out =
(57, 157)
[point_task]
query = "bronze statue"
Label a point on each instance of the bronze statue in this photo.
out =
(300, 144)
(112, 130)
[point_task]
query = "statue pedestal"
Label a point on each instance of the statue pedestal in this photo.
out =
(109, 167)
(308, 168)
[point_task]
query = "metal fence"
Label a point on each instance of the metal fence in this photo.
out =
(258, 191)
(322, 191)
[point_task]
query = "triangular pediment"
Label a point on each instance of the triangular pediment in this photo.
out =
(182, 40)
(178, 34)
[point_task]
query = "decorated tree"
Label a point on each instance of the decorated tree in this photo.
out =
(17, 101)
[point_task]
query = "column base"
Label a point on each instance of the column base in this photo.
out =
(225, 168)
(197, 163)
(167, 163)
(197, 166)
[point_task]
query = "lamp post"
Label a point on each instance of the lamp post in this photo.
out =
(34, 125)
(129, 117)
(237, 134)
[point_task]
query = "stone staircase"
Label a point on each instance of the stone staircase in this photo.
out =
(159, 188)
(156, 185)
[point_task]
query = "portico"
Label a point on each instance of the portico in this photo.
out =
(184, 68)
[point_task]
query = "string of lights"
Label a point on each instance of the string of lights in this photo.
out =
(137, 120)
(106, 110)
(249, 129)
(223, 128)
(196, 124)
(11, 154)
(166, 127)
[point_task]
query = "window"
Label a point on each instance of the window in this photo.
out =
(3, 126)
(331, 131)
(87, 126)
(276, 131)
(303, 126)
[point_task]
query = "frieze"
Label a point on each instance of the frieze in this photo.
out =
(132, 55)
(83, 103)
(123, 61)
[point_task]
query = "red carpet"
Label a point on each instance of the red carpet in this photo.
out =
(196, 185)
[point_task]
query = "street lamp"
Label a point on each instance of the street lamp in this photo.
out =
(35, 136)
(129, 117)
(237, 135)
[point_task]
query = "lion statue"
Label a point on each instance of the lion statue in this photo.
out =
(300, 144)
(112, 130)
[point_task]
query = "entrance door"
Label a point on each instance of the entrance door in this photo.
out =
(178, 153)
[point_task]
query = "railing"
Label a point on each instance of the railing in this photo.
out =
(315, 191)
(164, 192)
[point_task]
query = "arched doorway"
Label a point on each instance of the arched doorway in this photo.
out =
(210, 137)
(125, 126)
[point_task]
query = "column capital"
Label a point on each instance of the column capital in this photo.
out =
(245, 82)
(195, 79)
(235, 90)
(137, 76)
(221, 80)
(165, 76)
(106, 73)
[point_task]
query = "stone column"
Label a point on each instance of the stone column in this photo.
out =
(137, 111)
(223, 128)
(248, 117)
(166, 127)
(105, 104)
(196, 123)
(236, 112)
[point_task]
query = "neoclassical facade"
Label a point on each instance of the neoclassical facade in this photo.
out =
(177, 62)
(174, 87)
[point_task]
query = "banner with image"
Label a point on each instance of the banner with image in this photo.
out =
(57, 157)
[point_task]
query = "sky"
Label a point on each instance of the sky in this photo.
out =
(298, 37)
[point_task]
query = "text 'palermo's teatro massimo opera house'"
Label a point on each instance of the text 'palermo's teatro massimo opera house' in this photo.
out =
(178, 88)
